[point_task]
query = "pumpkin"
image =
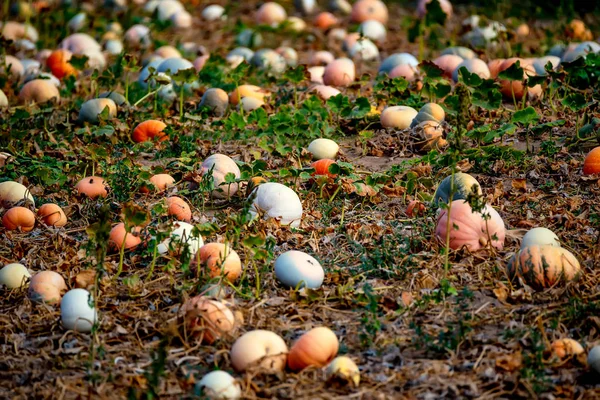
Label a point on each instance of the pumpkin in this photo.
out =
(593, 359)
(321, 167)
(544, 266)
(297, 269)
(90, 110)
(399, 117)
(19, 218)
(325, 20)
(448, 63)
(220, 260)
(117, 97)
(12, 66)
(213, 12)
(320, 58)
(317, 347)
(591, 164)
(208, 320)
(149, 130)
(249, 104)
(182, 238)
(364, 10)
(247, 91)
(216, 100)
(138, 36)
(373, 30)
(428, 135)
(325, 92)
(461, 51)
(540, 236)
(13, 192)
(343, 368)
(396, 59)
(59, 65)
(578, 31)
(52, 215)
(469, 229)
(271, 13)
(323, 148)
(516, 88)
(161, 182)
(3, 99)
(289, 55)
(274, 200)
(269, 60)
(429, 112)
(405, 71)
(178, 208)
(219, 385)
(219, 165)
(474, 66)
(494, 66)
(350, 40)
(445, 5)
(14, 276)
(459, 187)
(167, 52)
(566, 348)
(39, 91)
(295, 24)
(200, 62)
(339, 72)
(119, 237)
(92, 186)
(259, 349)
(47, 287)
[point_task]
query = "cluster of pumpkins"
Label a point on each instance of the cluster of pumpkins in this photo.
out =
(541, 262)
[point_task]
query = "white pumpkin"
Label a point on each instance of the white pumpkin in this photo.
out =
(274, 200)
(220, 385)
(13, 192)
(540, 236)
(14, 276)
(75, 311)
(221, 165)
(323, 148)
(294, 268)
(180, 236)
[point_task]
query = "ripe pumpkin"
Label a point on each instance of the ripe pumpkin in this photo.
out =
(47, 287)
(52, 215)
(429, 112)
(321, 58)
(325, 20)
(339, 72)
(468, 228)
(19, 218)
(323, 148)
(274, 200)
(59, 65)
(220, 260)
(260, 348)
(119, 237)
(247, 91)
(591, 165)
(364, 10)
(221, 165)
(161, 182)
(474, 66)
(462, 185)
(321, 167)
(325, 92)
(508, 88)
(544, 266)
(13, 192)
(207, 320)
(216, 100)
(540, 236)
(271, 13)
(399, 117)
(92, 186)
(317, 347)
(178, 208)
(448, 63)
(149, 130)
(38, 91)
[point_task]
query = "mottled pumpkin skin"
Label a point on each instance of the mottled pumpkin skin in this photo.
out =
(469, 228)
(463, 186)
(544, 266)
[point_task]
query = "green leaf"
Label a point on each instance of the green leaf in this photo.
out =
(185, 75)
(78, 61)
(575, 102)
(506, 129)
(254, 240)
(512, 73)
(431, 70)
(469, 79)
(541, 128)
(525, 116)
(488, 99)
(296, 75)
(435, 14)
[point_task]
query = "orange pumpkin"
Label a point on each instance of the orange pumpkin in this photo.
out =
(19, 218)
(58, 62)
(38, 91)
(119, 237)
(207, 320)
(178, 208)
(47, 287)
(247, 91)
(219, 259)
(415, 208)
(52, 215)
(544, 266)
(149, 130)
(591, 165)
(161, 182)
(516, 88)
(565, 348)
(92, 186)
(316, 347)
(364, 10)
(325, 20)
(322, 167)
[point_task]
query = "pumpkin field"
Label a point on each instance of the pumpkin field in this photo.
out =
(299, 199)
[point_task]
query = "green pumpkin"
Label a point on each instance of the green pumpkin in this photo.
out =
(463, 186)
